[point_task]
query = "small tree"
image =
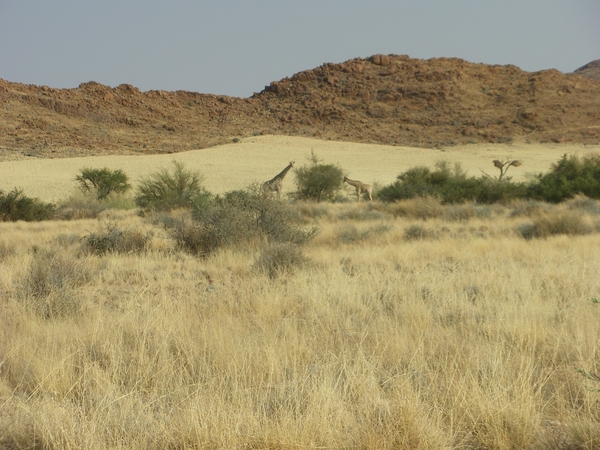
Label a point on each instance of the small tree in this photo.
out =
(503, 166)
(102, 182)
(320, 182)
(166, 190)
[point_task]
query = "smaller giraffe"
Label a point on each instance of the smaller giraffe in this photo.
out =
(360, 188)
(275, 184)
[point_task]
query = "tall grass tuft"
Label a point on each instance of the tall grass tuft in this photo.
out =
(113, 239)
(50, 285)
(554, 223)
(280, 259)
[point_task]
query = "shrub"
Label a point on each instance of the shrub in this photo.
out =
(189, 236)
(16, 206)
(555, 223)
(239, 218)
(168, 190)
(498, 191)
(102, 182)
(114, 240)
(570, 176)
(280, 258)
(450, 185)
(320, 182)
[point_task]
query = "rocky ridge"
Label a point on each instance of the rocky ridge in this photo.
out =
(388, 99)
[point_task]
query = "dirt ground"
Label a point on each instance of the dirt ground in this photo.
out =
(257, 159)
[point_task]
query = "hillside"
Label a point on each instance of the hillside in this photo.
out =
(590, 70)
(387, 99)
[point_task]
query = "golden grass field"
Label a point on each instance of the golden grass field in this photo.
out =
(400, 332)
(256, 159)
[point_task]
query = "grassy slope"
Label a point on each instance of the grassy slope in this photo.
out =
(235, 166)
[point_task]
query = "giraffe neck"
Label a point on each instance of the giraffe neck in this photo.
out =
(283, 173)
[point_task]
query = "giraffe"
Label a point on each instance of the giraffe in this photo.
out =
(275, 183)
(360, 188)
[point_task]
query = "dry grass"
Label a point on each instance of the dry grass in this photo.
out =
(468, 340)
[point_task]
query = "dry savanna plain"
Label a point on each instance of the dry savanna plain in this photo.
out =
(412, 325)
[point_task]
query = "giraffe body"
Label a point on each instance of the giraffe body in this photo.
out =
(361, 188)
(276, 183)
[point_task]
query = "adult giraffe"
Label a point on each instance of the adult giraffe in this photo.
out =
(276, 183)
(360, 188)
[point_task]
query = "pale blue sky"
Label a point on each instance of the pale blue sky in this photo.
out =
(236, 47)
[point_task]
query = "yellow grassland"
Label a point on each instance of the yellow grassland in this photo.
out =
(257, 159)
(469, 339)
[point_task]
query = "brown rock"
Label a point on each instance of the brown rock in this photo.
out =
(380, 60)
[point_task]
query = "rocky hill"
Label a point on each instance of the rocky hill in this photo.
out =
(590, 70)
(388, 99)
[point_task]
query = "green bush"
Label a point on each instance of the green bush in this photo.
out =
(102, 182)
(16, 206)
(167, 190)
(449, 185)
(570, 176)
(239, 218)
(320, 182)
